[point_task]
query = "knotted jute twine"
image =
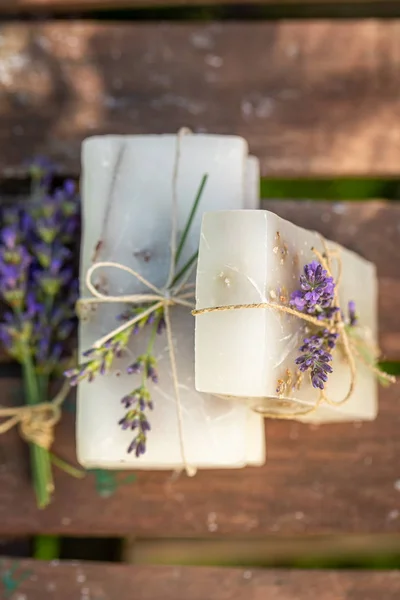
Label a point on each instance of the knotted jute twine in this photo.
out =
(335, 325)
(168, 296)
(35, 423)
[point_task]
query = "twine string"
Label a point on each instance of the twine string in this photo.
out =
(35, 423)
(334, 325)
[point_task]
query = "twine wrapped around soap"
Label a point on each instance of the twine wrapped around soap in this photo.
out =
(35, 423)
(168, 296)
(334, 325)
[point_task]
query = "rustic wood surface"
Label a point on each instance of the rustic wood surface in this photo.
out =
(312, 97)
(68, 6)
(66, 581)
(330, 479)
(318, 480)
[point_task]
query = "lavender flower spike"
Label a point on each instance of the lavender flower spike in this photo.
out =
(316, 296)
(316, 359)
(316, 290)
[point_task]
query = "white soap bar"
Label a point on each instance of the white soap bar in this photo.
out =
(252, 257)
(127, 199)
(252, 183)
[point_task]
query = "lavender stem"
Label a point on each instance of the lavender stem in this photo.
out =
(41, 464)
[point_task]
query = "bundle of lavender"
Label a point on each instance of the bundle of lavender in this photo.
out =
(38, 291)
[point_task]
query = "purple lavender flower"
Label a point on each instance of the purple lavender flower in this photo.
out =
(41, 317)
(137, 402)
(154, 317)
(353, 318)
(41, 167)
(317, 290)
(135, 367)
(316, 296)
(161, 325)
(9, 236)
(329, 338)
(152, 373)
(316, 359)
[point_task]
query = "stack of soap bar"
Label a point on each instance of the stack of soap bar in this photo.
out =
(127, 199)
(251, 257)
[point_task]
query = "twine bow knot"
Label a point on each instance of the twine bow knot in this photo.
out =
(35, 423)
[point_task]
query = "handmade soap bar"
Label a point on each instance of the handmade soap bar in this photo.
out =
(127, 202)
(252, 257)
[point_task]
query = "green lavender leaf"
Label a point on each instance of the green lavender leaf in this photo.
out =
(189, 222)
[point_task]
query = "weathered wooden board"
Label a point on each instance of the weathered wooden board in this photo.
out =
(312, 97)
(78, 581)
(317, 480)
(330, 479)
(68, 6)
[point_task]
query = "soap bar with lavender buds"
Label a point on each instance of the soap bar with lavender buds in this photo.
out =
(127, 199)
(273, 360)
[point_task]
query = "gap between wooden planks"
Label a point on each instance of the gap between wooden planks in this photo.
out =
(43, 580)
(65, 6)
(341, 478)
(313, 98)
(272, 551)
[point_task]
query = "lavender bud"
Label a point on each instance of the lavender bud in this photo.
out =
(150, 319)
(140, 448)
(124, 424)
(145, 425)
(128, 400)
(70, 373)
(89, 352)
(135, 367)
(352, 313)
(69, 187)
(132, 446)
(152, 374)
(161, 326)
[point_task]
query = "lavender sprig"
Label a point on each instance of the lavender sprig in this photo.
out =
(38, 289)
(139, 400)
(315, 297)
(316, 357)
(100, 359)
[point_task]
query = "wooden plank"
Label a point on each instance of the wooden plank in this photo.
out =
(313, 98)
(44, 581)
(68, 6)
(341, 478)
(332, 479)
